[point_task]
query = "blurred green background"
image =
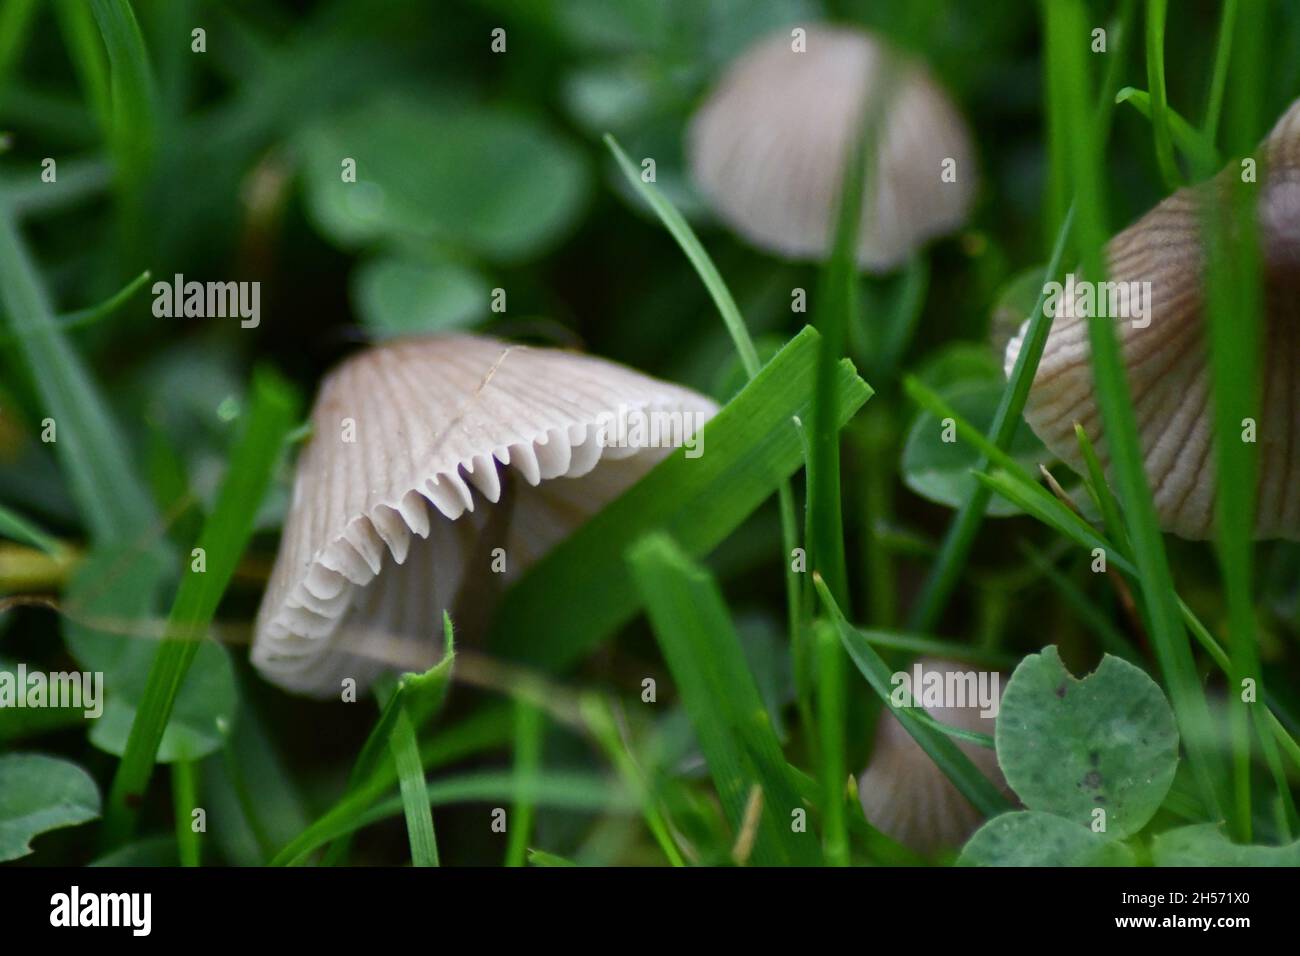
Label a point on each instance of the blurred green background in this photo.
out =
(480, 170)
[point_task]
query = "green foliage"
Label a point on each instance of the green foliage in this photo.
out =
(397, 296)
(735, 732)
(940, 470)
(1034, 838)
(1100, 751)
(1205, 844)
(39, 794)
(752, 445)
(477, 171)
(492, 182)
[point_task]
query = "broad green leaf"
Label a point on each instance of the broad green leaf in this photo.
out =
(396, 296)
(940, 470)
(1073, 747)
(493, 182)
(581, 591)
(39, 794)
(112, 628)
(1206, 844)
(200, 720)
(1031, 838)
(961, 362)
(731, 722)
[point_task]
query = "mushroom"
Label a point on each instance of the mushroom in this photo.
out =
(1166, 353)
(412, 482)
(905, 795)
(768, 147)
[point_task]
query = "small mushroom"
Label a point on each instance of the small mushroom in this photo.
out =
(427, 456)
(905, 795)
(769, 145)
(1166, 351)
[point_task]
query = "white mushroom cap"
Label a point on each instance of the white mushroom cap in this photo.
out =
(769, 145)
(1168, 361)
(906, 796)
(387, 530)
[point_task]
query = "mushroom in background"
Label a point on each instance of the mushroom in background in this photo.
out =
(769, 145)
(412, 479)
(906, 796)
(1167, 353)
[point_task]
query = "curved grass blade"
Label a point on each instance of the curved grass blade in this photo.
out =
(700, 644)
(750, 447)
(956, 766)
(725, 303)
(225, 535)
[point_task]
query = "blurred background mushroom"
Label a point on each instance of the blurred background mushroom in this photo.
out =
(1166, 351)
(768, 146)
(411, 484)
(906, 796)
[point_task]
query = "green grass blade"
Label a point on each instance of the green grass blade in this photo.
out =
(542, 858)
(1219, 77)
(1155, 48)
(91, 448)
(563, 790)
(1065, 23)
(410, 779)
(185, 799)
(599, 718)
(1112, 639)
(831, 714)
(1190, 141)
(88, 316)
(1234, 307)
(225, 535)
(935, 647)
(131, 86)
(418, 697)
(725, 303)
(956, 766)
(581, 590)
(15, 28)
(681, 231)
(731, 723)
(837, 294)
(528, 761)
(86, 51)
(17, 528)
(133, 136)
(1112, 520)
(959, 540)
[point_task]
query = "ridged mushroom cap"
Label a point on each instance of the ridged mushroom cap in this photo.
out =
(906, 796)
(768, 148)
(459, 444)
(1168, 362)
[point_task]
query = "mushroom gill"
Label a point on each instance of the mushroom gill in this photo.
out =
(427, 455)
